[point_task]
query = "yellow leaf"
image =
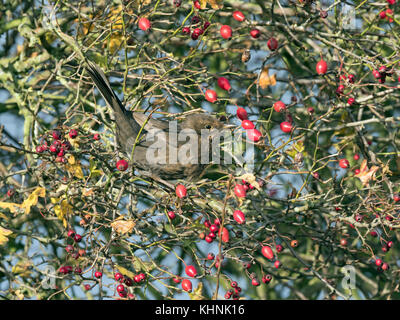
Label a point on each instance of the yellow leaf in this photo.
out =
(62, 210)
(197, 293)
(216, 4)
(33, 199)
(115, 42)
(125, 272)
(21, 268)
(296, 148)
(4, 233)
(265, 79)
(123, 226)
(13, 207)
(366, 174)
(73, 166)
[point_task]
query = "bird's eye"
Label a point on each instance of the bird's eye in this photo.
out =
(208, 126)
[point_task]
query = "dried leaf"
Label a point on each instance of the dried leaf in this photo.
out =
(13, 207)
(265, 79)
(73, 166)
(216, 4)
(123, 226)
(197, 293)
(366, 174)
(62, 210)
(4, 233)
(33, 199)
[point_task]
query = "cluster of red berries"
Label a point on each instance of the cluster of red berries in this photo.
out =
(196, 28)
(387, 246)
(269, 254)
(381, 266)
(125, 281)
(213, 228)
(252, 133)
(345, 80)
(286, 126)
(234, 292)
(59, 145)
(381, 74)
(387, 14)
(68, 269)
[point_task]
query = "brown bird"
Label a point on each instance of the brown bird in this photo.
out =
(137, 133)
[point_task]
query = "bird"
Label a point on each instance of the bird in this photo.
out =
(136, 133)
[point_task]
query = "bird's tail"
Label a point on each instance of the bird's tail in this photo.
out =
(127, 127)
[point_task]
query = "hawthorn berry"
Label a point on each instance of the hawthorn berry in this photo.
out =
(321, 67)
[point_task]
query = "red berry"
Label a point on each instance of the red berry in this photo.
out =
(122, 294)
(279, 248)
(191, 271)
(217, 222)
(39, 149)
(71, 233)
(196, 4)
(209, 239)
(351, 78)
(177, 280)
(240, 191)
(310, 110)
(343, 242)
(247, 124)
(122, 165)
(255, 282)
(376, 74)
(144, 24)
(226, 32)
(118, 276)
(267, 252)
(187, 285)
(356, 157)
(180, 191)
(344, 163)
(272, 44)
(396, 198)
(358, 218)
(277, 264)
(239, 217)
(350, 101)
(390, 244)
(78, 270)
(238, 15)
(391, 1)
(56, 135)
(10, 192)
(255, 33)
(267, 278)
(214, 228)
(212, 235)
(254, 135)
(53, 148)
(171, 215)
(73, 133)
(279, 106)
(186, 30)
(69, 248)
(322, 67)
(286, 127)
(207, 223)
(378, 262)
(211, 95)
(357, 171)
(120, 288)
(241, 113)
(224, 84)
(98, 274)
(206, 25)
(340, 89)
(224, 234)
(210, 256)
(96, 136)
(373, 233)
(77, 238)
